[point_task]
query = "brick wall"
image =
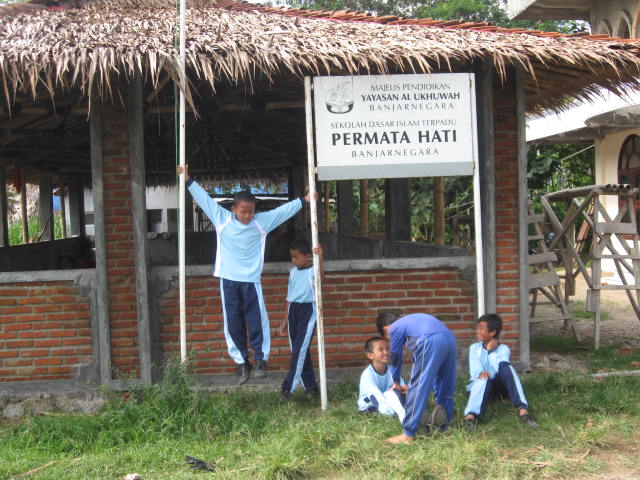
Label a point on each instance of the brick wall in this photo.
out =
(351, 301)
(45, 332)
(506, 215)
(121, 275)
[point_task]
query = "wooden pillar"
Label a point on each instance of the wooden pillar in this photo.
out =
(46, 207)
(296, 187)
(397, 215)
(4, 210)
(327, 207)
(364, 206)
(345, 205)
(135, 123)
(486, 154)
(23, 206)
(438, 210)
(102, 293)
(63, 211)
(76, 208)
(523, 225)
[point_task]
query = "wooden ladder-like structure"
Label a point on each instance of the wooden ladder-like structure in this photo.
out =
(613, 239)
(543, 278)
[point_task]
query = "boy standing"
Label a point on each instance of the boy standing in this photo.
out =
(376, 382)
(491, 373)
(434, 366)
(301, 318)
(241, 235)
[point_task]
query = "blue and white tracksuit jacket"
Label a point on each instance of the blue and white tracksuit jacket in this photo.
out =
(238, 264)
(375, 394)
(503, 378)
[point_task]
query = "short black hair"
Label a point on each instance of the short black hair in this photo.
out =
(493, 321)
(301, 245)
(243, 196)
(368, 345)
(385, 318)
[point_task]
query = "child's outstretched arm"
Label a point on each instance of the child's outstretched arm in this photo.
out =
(179, 169)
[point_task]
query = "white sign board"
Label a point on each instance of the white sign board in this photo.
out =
(395, 126)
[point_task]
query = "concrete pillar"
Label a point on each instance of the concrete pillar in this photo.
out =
(45, 226)
(397, 214)
(76, 208)
(345, 205)
(4, 211)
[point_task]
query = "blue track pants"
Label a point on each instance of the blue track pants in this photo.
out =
(301, 325)
(434, 367)
(245, 313)
(505, 383)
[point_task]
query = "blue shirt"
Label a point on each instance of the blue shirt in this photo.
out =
(301, 285)
(407, 331)
(240, 250)
(483, 360)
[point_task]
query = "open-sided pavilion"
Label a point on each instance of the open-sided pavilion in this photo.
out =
(87, 100)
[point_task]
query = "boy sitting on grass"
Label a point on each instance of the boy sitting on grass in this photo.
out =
(376, 393)
(491, 373)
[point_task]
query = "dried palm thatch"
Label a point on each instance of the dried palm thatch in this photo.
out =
(88, 47)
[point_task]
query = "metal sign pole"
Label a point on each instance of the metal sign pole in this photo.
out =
(182, 188)
(314, 242)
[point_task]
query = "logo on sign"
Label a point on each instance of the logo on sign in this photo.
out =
(339, 100)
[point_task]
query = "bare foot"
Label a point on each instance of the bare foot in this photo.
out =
(401, 439)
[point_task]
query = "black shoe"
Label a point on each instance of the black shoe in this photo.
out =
(312, 392)
(528, 420)
(244, 372)
(469, 424)
(285, 395)
(261, 369)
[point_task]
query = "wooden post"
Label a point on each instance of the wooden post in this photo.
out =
(102, 292)
(46, 207)
(345, 205)
(438, 210)
(364, 206)
(23, 207)
(4, 210)
(327, 208)
(397, 219)
(76, 208)
(523, 223)
(63, 212)
(486, 164)
(138, 201)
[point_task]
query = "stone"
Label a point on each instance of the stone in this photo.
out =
(13, 410)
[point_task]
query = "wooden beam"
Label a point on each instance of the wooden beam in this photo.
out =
(135, 123)
(102, 292)
(4, 211)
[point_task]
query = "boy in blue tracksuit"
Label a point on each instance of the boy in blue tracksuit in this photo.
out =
(241, 237)
(376, 392)
(300, 317)
(434, 366)
(491, 373)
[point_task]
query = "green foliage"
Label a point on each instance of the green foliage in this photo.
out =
(15, 229)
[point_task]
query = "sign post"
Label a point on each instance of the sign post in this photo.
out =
(392, 126)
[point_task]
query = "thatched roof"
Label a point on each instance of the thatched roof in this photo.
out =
(54, 55)
(86, 46)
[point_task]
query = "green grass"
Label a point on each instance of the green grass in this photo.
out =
(251, 435)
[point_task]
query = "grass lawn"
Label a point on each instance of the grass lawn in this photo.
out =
(584, 426)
